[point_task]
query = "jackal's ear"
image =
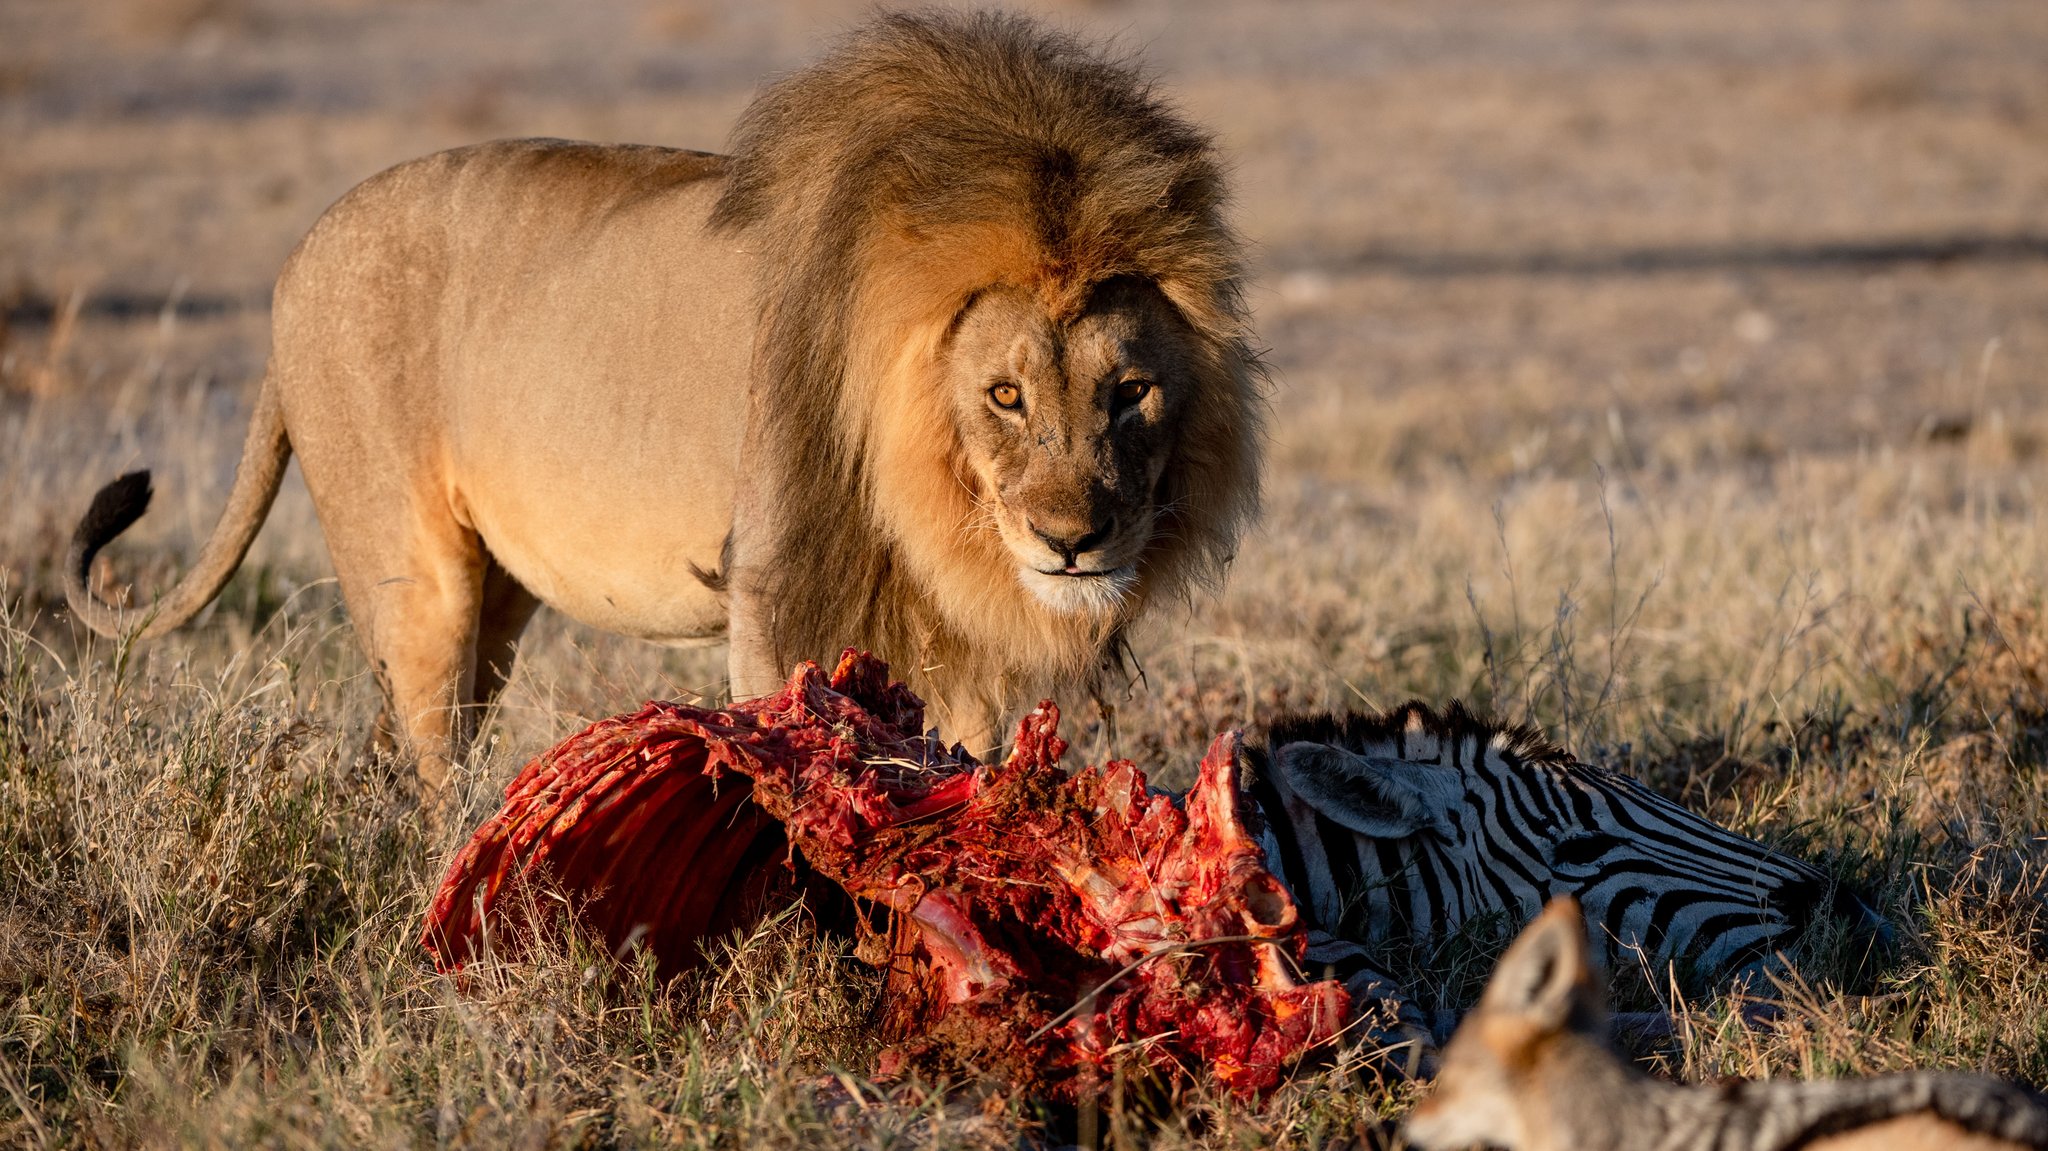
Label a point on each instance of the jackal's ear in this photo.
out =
(1371, 795)
(1547, 975)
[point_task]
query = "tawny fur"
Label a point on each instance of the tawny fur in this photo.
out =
(1530, 1070)
(684, 397)
(885, 188)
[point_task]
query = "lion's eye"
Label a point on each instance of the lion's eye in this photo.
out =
(1131, 391)
(1006, 396)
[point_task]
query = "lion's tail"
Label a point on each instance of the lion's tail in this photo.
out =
(265, 452)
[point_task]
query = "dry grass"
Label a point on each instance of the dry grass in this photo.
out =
(1769, 531)
(206, 931)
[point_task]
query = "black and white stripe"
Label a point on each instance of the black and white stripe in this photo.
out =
(1416, 823)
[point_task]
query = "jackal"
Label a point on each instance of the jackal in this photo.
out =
(1530, 1070)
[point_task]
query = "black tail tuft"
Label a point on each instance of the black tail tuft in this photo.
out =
(116, 506)
(114, 509)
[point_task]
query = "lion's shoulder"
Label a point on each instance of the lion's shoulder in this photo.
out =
(555, 176)
(427, 209)
(545, 158)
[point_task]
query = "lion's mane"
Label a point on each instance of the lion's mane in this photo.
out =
(927, 158)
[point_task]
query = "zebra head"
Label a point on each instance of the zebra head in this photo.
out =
(1420, 823)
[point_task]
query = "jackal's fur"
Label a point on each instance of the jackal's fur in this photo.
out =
(1530, 1070)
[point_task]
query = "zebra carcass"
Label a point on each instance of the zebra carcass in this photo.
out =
(1036, 925)
(1417, 823)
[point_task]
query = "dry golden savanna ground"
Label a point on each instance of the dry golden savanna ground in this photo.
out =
(1672, 375)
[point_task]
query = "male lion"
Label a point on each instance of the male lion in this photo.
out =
(946, 360)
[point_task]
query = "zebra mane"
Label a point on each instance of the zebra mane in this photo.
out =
(1367, 730)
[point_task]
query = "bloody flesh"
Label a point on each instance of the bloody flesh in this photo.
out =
(1038, 925)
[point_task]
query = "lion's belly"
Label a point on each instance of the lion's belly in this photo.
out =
(629, 570)
(609, 512)
(597, 420)
(609, 494)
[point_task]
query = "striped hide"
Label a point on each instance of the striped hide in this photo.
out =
(1415, 823)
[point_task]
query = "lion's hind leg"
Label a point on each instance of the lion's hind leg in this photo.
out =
(505, 609)
(417, 597)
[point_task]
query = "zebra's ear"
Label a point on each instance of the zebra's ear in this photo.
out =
(1371, 795)
(1547, 975)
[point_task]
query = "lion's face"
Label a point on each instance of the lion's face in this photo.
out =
(1066, 427)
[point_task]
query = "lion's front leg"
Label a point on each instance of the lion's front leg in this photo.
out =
(752, 667)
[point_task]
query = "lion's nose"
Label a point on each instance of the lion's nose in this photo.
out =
(1069, 545)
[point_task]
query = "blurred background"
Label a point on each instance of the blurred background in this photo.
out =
(1517, 265)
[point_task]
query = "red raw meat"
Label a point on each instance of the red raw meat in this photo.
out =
(1039, 926)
